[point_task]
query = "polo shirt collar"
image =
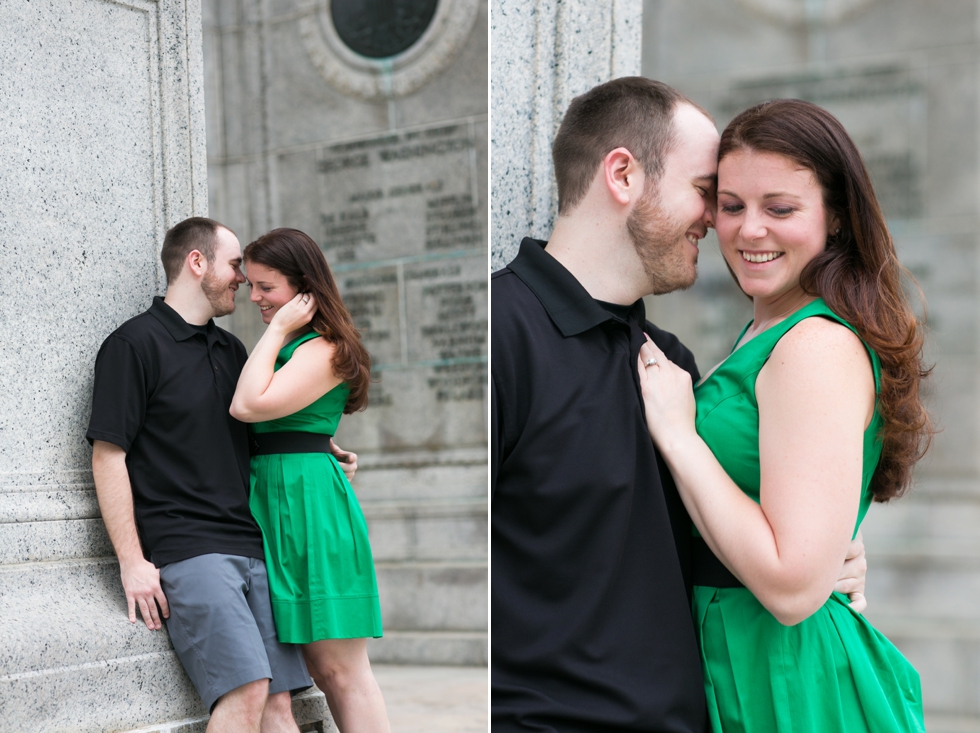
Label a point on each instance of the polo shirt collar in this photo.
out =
(568, 304)
(180, 329)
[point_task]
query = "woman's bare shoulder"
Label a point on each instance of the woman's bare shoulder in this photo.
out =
(824, 349)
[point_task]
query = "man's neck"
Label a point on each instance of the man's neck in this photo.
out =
(190, 303)
(601, 256)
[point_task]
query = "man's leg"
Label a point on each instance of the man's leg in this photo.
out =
(240, 711)
(341, 669)
(223, 646)
(278, 715)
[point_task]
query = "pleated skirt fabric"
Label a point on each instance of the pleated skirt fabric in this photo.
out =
(321, 571)
(831, 673)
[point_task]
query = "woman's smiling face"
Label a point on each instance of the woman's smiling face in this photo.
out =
(771, 222)
(270, 289)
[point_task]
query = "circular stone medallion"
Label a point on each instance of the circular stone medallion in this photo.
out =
(381, 28)
(380, 49)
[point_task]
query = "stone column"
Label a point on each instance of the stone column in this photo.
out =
(101, 151)
(544, 54)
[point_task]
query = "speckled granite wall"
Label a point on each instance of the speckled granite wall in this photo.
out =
(544, 54)
(101, 150)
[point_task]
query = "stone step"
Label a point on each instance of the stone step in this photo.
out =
(433, 596)
(428, 530)
(946, 652)
(934, 582)
(460, 473)
(937, 723)
(430, 647)
(309, 709)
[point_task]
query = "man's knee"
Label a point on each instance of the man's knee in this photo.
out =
(247, 701)
(279, 704)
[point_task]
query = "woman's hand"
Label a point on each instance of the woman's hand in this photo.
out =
(667, 396)
(295, 314)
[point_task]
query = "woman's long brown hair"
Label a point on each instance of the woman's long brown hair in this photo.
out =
(298, 257)
(858, 274)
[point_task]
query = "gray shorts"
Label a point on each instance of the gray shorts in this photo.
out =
(222, 629)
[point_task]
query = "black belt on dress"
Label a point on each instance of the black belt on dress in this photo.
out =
(263, 444)
(706, 569)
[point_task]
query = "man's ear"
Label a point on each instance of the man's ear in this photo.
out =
(196, 262)
(623, 175)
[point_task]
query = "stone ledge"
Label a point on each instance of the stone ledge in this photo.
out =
(421, 483)
(309, 709)
(938, 723)
(472, 456)
(430, 648)
(26, 542)
(59, 614)
(434, 530)
(436, 596)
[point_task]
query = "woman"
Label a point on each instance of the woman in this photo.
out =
(782, 447)
(308, 368)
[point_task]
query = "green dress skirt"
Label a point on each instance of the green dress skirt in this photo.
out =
(321, 572)
(831, 673)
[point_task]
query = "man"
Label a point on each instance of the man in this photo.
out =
(590, 543)
(171, 469)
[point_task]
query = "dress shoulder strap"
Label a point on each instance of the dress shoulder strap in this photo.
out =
(287, 351)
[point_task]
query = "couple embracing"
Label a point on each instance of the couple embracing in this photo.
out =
(631, 496)
(259, 565)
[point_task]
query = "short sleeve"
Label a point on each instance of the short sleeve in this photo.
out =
(496, 439)
(119, 394)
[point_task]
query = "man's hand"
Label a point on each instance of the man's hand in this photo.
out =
(346, 459)
(853, 575)
(140, 578)
(141, 582)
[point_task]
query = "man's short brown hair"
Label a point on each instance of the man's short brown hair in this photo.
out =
(197, 233)
(631, 112)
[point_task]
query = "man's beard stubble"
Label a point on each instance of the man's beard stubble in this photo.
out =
(217, 294)
(660, 244)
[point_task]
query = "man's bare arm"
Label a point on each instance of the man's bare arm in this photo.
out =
(140, 578)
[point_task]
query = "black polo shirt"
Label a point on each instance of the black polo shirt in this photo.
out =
(590, 608)
(162, 392)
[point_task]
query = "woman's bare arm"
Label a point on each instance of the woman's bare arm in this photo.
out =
(266, 394)
(816, 396)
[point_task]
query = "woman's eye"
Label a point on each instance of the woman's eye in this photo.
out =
(781, 210)
(731, 208)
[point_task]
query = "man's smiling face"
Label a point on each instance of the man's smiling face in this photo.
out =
(674, 212)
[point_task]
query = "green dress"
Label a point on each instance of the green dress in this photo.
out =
(321, 573)
(831, 673)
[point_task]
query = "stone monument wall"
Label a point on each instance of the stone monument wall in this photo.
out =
(902, 76)
(373, 140)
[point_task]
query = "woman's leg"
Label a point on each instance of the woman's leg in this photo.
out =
(340, 668)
